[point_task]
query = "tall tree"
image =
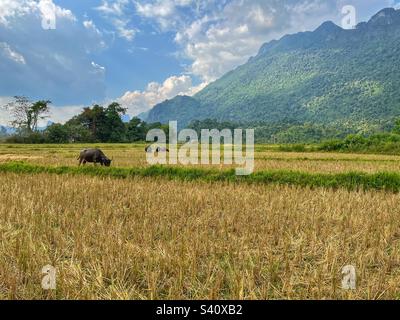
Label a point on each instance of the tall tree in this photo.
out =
(92, 119)
(115, 127)
(39, 111)
(136, 130)
(396, 128)
(104, 124)
(26, 114)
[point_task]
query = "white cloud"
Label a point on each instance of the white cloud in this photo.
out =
(64, 113)
(115, 13)
(9, 53)
(123, 31)
(162, 9)
(46, 7)
(98, 68)
(142, 101)
(49, 64)
(10, 9)
(90, 25)
(166, 13)
(116, 7)
(13, 8)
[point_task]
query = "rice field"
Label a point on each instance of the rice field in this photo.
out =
(155, 238)
(266, 158)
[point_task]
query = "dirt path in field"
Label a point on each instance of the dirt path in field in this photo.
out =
(14, 157)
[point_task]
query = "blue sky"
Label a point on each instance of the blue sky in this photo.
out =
(141, 52)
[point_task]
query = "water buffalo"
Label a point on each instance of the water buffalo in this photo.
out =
(93, 156)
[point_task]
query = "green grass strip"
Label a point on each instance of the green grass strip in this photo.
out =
(386, 181)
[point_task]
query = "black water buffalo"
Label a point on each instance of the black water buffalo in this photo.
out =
(93, 156)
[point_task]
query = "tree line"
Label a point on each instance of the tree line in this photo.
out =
(105, 124)
(93, 124)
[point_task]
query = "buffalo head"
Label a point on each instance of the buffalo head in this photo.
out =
(106, 162)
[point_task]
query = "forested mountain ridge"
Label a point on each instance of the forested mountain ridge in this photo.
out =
(328, 76)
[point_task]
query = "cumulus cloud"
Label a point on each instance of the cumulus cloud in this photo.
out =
(141, 101)
(12, 8)
(166, 13)
(116, 7)
(64, 113)
(116, 13)
(49, 64)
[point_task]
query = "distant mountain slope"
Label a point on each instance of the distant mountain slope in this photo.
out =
(6, 130)
(181, 108)
(326, 76)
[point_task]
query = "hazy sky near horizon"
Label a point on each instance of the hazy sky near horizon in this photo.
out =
(141, 52)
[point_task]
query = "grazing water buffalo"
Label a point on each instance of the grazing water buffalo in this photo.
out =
(93, 156)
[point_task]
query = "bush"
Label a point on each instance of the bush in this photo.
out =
(379, 143)
(32, 138)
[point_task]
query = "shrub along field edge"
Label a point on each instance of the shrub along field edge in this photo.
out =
(387, 181)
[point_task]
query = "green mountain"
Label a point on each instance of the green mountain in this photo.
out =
(330, 76)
